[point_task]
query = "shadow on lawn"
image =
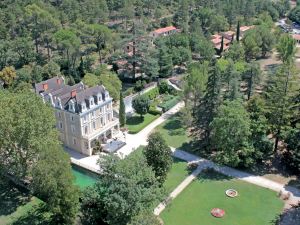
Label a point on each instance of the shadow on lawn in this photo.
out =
(38, 215)
(11, 198)
(211, 175)
(135, 120)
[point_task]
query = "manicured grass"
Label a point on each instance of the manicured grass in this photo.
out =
(253, 206)
(174, 133)
(177, 174)
(135, 123)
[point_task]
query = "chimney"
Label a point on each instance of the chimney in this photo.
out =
(73, 93)
(58, 81)
(45, 87)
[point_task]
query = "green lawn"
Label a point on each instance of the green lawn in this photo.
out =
(135, 123)
(174, 133)
(253, 206)
(19, 208)
(177, 174)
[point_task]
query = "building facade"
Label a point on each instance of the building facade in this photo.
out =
(83, 115)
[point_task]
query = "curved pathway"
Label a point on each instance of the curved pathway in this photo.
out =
(228, 171)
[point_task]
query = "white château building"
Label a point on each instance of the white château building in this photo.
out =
(83, 115)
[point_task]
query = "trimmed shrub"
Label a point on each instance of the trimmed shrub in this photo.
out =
(169, 103)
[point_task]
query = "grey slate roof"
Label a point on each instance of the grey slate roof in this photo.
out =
(62, 92)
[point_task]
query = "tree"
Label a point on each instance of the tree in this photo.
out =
(256, 107)
(230, 135)
(40, 22)
(8, 75)
(253, 76)
(286, 48)
(282, 89)
(251, 43)
(292, 156)
(30, 150)
(159, 156)
(195, 83)
(141, 105)
(165, 62)
(101, 36)
(106, 78)
(68, 43)
(122, 114)
(206, 109)
(145, 218)
(163, 87)
(127, 186)
(267, 39)
(150, 66)
(238, 30)
(236, 52)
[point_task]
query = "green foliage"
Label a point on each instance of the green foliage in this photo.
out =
(159, 156)
(30, 149)
(141, 105)
(206, 108)
(292, 156)
(286, 48)
(163, 87)
(256, 108)
(106, 78)
(165, 62)
(152, 94)
(169, 102)
(294, 15)
(122, 114)
(127, 186)
(230, 134)
(146, 218)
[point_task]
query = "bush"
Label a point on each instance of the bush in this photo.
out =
(168, 104)
(163, 87)
(154, 111)
(152, 94)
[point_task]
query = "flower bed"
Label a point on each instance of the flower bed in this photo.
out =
(218, 213)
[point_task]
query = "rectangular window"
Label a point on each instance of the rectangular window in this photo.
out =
(72, 118)
(85, 129)
(73, 129)
(74, 141)
(94, 125)
(60, 125)
(59, 115)
(86, 145)
(93, 114)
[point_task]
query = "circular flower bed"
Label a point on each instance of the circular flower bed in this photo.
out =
(231, 193)
(218, 213)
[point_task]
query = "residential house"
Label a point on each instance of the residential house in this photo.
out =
(166, 31)
(83, 114)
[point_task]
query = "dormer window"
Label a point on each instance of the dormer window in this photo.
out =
(91, 101)
(99, 98)
(83, 107)
(106, 95)
(72, 106)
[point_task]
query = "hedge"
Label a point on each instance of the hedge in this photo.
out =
(169, 103)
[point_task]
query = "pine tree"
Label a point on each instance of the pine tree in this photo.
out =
(238, 32)
(165, 62)
(222, 46)
(122, 115)
(207, 108)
